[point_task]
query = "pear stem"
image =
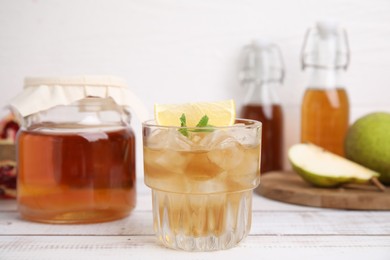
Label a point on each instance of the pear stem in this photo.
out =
(378, 184)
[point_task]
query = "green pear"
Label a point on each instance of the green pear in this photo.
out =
(325, 169)
(368, 143)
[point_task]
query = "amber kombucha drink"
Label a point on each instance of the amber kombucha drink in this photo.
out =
(76, 176)
(325, 115)
(271, 117)
(202, 184)
(325, 106)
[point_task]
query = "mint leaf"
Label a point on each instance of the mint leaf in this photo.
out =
(183, 120)
(183, 123)
(203, 121)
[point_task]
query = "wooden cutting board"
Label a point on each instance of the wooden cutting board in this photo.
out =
(291, 188)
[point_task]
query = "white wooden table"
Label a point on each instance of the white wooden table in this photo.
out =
(279, 231)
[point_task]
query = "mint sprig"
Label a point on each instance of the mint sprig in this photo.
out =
(203, 122)
(183, 123)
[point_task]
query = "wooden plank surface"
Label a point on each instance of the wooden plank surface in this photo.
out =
(263, 223)
(138, 247)
(279, 231)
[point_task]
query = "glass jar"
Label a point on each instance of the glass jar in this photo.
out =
(76, 161)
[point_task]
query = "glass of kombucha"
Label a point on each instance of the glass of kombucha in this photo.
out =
(202, 183)
(76, 162)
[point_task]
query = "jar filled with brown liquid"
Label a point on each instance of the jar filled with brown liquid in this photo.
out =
(75, 150)
(261, 75)
(325, 105)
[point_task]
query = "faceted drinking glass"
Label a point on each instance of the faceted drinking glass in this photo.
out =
(202, 180)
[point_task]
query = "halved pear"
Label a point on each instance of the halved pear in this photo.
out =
(325, 169)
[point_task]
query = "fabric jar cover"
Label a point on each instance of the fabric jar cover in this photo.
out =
(40, 94)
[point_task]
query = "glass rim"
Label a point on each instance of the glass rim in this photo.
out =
(248, 123)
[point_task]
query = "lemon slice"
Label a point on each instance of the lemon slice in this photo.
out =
(220, 113)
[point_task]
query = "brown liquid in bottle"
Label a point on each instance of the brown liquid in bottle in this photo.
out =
(272, 140)
(325, 118)
(80, 178)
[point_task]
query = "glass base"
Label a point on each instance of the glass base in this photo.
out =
(73, 217)
(202, 222)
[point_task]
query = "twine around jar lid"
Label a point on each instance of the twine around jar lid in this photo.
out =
(42, 93)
